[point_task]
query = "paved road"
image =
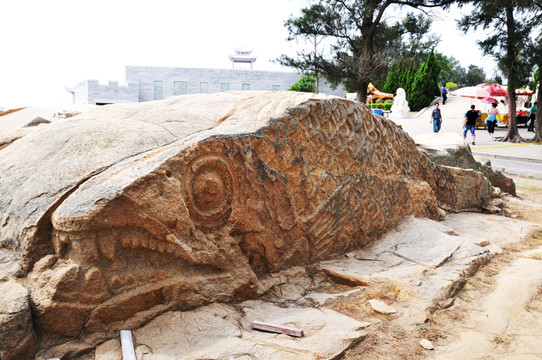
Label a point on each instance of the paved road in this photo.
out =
(523, 159)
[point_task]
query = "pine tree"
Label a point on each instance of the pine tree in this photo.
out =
(392, 79)
(425, 85)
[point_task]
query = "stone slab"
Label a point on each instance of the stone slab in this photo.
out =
(224, 332)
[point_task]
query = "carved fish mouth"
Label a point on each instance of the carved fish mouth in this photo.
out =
(110, 275)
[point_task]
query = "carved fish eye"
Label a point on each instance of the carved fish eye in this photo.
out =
(209, 192)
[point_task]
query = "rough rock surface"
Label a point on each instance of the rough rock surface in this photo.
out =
(305, 298)
(126, 211)
(17, 339)
(228, 335)
(450, 150)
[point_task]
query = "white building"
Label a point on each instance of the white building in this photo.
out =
(147, 83)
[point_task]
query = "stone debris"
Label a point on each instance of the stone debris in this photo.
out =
(218, 329)
(426, 344)
(381, 307)
(449, 149)
(223, 331)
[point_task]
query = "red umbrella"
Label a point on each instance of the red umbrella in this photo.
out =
(471, 92)
(493, 89)
(489, 100)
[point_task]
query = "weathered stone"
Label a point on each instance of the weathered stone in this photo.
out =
(10, 265)
(224, 332)
(174, 204)
(110, 350)
(17, 338)
(450, 150)
(426, 344)
(381, 307)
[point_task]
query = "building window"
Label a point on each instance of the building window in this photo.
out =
(203, 87)
(179, 87)
(246, 86)
(224, 87)
(157, 90)
(276, 88)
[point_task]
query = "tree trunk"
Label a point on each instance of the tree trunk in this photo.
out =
(513, 134)
(538, 119)
(316, 72)
(362, 91)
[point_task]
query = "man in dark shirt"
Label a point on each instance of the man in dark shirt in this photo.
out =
(436, 119)
(444, 93)
(470, 123)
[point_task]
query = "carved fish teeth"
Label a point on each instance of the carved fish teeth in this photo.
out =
(125, 242)
(144, 243)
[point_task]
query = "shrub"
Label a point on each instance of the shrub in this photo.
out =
(304, 84)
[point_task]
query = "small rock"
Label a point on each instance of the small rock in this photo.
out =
(483, 243)
(381, 307)
(495, 249)
(426, 344)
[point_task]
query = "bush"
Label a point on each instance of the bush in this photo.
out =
(304, 84)
(385, 105)
(451, 85)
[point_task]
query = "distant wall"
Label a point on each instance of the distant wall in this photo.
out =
(180, 81)
(146, 83)
(92, 92)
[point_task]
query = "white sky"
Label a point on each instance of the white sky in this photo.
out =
(46, 45)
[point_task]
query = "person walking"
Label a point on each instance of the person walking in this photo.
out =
(444, 93)
(470, 124)
(436, 119)
(532, 116)
(491, 120)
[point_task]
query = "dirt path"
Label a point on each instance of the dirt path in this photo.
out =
(499, 312)
(497, 315)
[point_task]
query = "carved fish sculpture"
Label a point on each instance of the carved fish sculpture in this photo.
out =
(129, 210)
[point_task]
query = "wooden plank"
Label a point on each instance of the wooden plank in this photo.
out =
(259, 325)
(127, 345)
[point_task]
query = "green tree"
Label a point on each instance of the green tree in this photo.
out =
(425, 86)
(304, 84)
(475, 76)
(393, 78)
(451, 70)
(508, 21)
(352, 26)
(310, 25)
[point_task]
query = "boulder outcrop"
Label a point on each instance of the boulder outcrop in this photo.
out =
(451, 150)
(126, 211)
(17, 338)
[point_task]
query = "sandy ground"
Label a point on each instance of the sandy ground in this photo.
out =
(497, 315)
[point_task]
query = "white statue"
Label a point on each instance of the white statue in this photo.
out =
(400, 108)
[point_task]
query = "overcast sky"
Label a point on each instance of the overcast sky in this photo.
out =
(46, 45)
